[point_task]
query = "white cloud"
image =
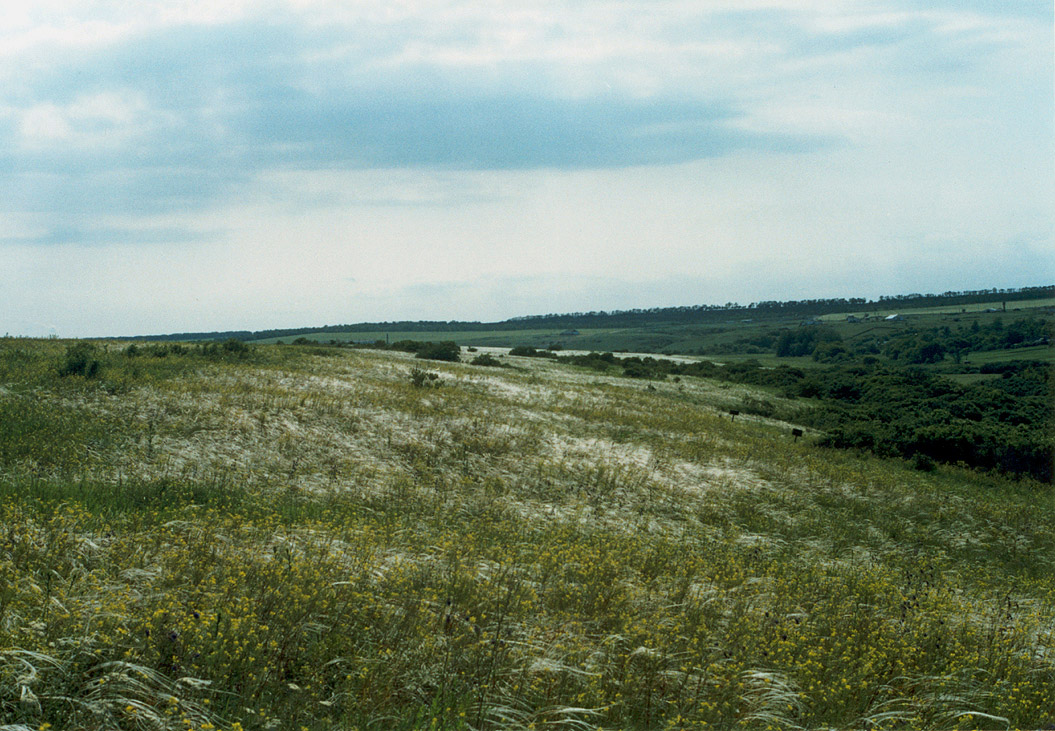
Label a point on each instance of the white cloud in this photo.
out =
(44, 123)
(94, 121)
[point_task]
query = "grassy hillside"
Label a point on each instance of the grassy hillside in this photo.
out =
(285, 538)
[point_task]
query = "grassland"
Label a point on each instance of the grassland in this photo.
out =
(301, 538)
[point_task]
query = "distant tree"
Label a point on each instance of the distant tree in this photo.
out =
(831, 352)
(804, 341)
(927, 353)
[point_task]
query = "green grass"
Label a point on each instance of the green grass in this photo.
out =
(975, 308)
(1044, 353)
(304, 538)
(768, 360)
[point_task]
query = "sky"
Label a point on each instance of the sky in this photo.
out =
(193, 165)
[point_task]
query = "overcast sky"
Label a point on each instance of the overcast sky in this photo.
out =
(198, 165)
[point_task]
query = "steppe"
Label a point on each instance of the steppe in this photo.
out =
(282, 537)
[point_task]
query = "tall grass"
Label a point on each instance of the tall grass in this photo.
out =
(307, 540)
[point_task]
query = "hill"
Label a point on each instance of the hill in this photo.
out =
(268, 537)
(512, 332)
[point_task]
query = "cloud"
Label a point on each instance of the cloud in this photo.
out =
(114, 113)
(105, 235)
(149, 119)
(258, 95)
(469, 130)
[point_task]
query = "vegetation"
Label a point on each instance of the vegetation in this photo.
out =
(420, 378)
(914, 344)
(80, 361)
(447, 350)
(804, 341)
(305, 537)
(486, 359)
(527, 351)
(1006, 425)
(730, 312)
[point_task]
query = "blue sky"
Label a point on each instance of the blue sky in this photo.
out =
(193, 166)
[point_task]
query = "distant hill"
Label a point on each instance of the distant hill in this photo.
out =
(695, 314)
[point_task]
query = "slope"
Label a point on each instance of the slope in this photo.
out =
(296, 538)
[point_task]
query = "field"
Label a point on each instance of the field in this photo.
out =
(979, 307)
(277, 537)
(1043, 353)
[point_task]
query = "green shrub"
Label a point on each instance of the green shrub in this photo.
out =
(638, 369)
(486, 359)
(423, 379)
(595, 361)
(924, 463)
(447, 350)
(230, 349)
(80, 360)
(527, 351)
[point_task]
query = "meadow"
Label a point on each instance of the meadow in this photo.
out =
(274, 537)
